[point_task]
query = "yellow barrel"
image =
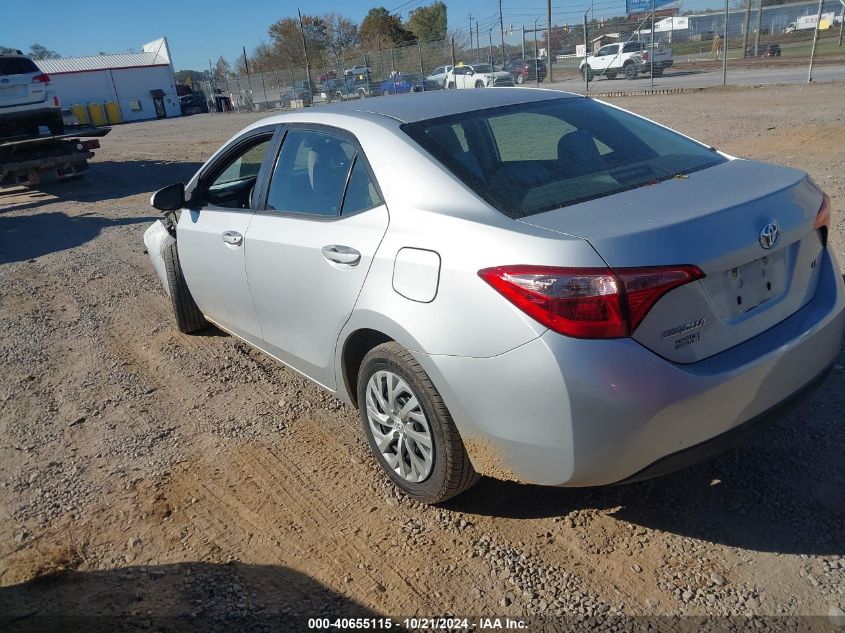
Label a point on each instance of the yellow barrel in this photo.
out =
(97, 113)
(81, 113)
(113, 113)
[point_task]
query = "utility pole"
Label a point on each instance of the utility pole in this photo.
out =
(246, 62)
(502, 32)
(586, 56)
(470, 32)
(549, 57)
(453, 50)
(745, 28)
(757, 30)
(304, 50)
(815, 39)
(490, 37)
(651, 55)
(477, 42)
(523, 38)
(725, 48)
(841, 21)
(536, 54)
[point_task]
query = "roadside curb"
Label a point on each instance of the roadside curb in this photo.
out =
(646, 93)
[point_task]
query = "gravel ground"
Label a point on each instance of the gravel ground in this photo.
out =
(154, 480)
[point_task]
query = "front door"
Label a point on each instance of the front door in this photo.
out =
(211, 235)
(310, 249)
(158, 103)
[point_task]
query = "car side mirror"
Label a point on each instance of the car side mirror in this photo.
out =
(171, 198)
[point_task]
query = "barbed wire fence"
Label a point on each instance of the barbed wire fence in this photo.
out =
(741, 37)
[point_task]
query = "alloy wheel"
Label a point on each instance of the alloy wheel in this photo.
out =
(399, 426)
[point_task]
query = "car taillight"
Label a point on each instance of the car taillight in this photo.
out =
(587, 302)
(645, 56)
(43, 78)
(56, 101)
(823, 219)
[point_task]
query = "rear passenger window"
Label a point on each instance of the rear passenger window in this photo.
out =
(311, 173)
(361, 193)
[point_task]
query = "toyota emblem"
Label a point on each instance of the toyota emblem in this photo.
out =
(769, 235)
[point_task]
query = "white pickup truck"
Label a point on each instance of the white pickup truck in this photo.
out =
(627, 58)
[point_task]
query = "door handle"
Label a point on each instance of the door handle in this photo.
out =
(341, 254)
(233, 237)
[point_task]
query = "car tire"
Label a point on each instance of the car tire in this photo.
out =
(520, 79)
(386, 93)
(479, 84)
(450, 85)
(631, 71)
(56, 125)
(188, 316)
(450, 471)
(658, 72)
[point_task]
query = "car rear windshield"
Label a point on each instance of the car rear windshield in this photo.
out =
(533, 157)
(17, 66)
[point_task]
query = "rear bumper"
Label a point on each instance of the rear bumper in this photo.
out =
(562, 411)
(29, 115)
(729, 439)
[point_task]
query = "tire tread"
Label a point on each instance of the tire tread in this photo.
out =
(188, 316)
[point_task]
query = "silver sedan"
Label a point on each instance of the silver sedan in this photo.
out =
(523, 283)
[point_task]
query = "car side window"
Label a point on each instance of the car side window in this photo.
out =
(605, 50)
(235, 179)
(311, 173)
(361, 193)
(632, 47)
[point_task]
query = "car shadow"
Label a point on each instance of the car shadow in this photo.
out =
(781, 491)
(191, 596)
(26, 237)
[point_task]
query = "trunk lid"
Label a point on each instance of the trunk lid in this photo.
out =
(712, 219)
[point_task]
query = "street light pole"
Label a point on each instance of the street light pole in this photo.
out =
(651, 55)
(815, 39)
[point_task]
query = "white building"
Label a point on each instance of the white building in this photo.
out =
(141, 83)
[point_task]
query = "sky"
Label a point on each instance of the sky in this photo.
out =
(201, 30)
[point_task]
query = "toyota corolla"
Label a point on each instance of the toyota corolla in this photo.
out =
(524, 283)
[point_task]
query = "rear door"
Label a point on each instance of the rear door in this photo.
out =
(310, 248)
(17, 82)
(212, 233)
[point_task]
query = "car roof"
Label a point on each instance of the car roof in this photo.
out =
(419, 106)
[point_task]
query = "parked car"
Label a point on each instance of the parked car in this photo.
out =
(360, 72)
(296, 96)
(440, 75)
(561, 292)
(26, 102)
(477, 76)
(630, 59)
(526, 69)
(398, 84)
(193, 103)
(763, 50)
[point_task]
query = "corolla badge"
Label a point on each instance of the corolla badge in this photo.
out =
(769, 235)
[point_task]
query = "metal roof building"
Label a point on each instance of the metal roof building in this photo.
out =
(142, 83)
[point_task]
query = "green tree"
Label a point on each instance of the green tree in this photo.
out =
(428, 23)
(36, 51)
(222, 70)
(287, 40)
(382, 29)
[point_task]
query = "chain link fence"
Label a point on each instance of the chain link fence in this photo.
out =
(741, 37)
